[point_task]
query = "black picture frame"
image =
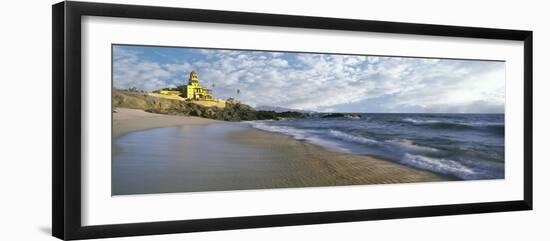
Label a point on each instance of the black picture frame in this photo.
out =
(66, 75)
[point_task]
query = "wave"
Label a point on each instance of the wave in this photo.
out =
(440, 165)
(396, 145)
(497, 128)
(416, 121)
(299, 134)
(352, 138)
(290, 131)
(409, 145)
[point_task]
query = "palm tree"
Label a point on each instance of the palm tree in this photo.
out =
(238, 91)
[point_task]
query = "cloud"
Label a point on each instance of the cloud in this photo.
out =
(323, 81)
(130, 69)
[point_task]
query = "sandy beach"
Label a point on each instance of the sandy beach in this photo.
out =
(195, 154)
(128, 120)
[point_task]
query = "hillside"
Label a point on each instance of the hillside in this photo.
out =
(231, 112)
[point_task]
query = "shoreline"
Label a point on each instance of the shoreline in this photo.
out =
(256, 159)
(340, 168)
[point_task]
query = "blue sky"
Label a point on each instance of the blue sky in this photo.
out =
(320, 82)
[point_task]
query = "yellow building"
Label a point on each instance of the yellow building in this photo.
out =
(193, 90)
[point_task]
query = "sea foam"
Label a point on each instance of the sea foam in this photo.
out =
(410, 145)
(348, 137)
(416, 121)
(300, 134)
(439, 165)
(290, 131)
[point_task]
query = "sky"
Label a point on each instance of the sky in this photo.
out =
(319, 82)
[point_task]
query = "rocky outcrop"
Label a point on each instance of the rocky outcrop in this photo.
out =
(233, 111)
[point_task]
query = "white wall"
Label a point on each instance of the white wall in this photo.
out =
(25, 131)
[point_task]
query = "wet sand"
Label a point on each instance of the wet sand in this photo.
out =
(316, 166)
(164, 154)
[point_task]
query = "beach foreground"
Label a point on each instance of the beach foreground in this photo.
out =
(164, 154)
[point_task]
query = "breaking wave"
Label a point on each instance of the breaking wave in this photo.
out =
(290, 131)
(497, 128)
(439, 165)
(348, 137)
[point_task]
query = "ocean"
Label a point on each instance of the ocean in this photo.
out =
(465, 146)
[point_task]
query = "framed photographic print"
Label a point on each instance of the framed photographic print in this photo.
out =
(170, 120)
